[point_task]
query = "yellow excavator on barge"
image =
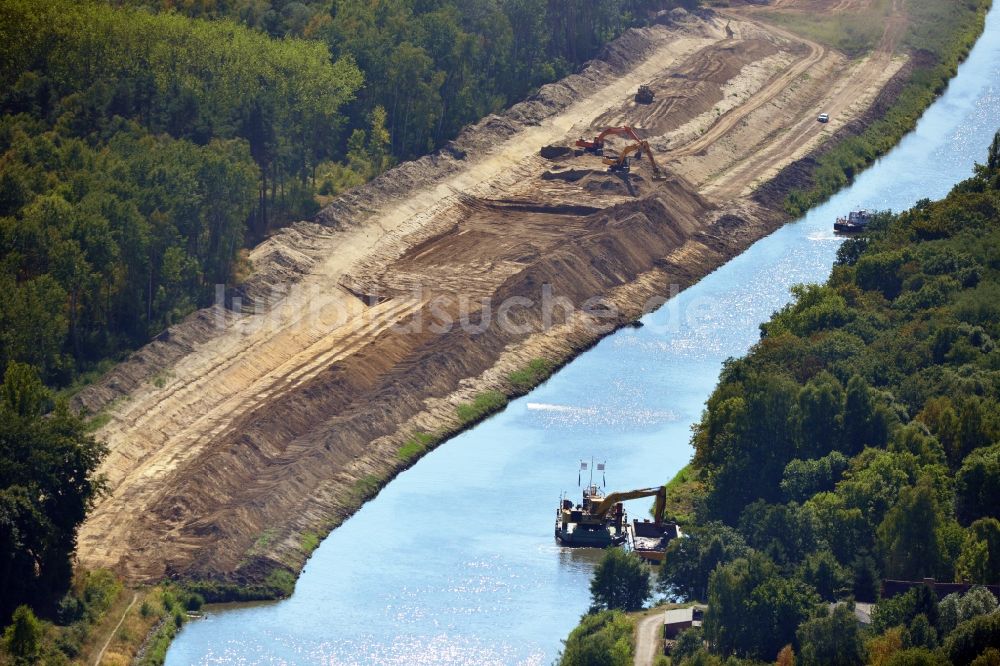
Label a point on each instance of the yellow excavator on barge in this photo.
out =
(600, 521)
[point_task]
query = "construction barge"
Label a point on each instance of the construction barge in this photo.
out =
(600, 521)
(855, 222)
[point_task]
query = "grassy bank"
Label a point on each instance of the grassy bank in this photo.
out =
(939, 35)
(100, 619)
(681, 493)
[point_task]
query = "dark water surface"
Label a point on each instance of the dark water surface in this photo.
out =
(454, 561)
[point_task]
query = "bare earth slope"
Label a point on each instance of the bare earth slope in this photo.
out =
(236, 432)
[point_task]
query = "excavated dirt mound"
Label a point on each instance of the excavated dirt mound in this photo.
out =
(569, 175)
(620, 185)
(556, 152)
(268, 464)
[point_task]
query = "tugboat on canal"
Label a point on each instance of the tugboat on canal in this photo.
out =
(599, 521)
(592, 523)
(855, 222)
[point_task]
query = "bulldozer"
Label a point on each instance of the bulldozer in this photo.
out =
(623, 163)
(644, 95)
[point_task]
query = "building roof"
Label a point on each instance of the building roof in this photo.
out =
(678, 616)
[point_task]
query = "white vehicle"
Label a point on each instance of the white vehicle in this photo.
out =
(824, 117)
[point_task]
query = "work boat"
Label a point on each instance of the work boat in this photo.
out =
(599, 521)
(856, 220)
(594, 523)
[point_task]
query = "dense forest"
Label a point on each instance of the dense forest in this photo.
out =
(437, 65)
(859, 441)
(143, 146)
(135, 149)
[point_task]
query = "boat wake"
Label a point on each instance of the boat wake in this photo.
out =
(589, 416)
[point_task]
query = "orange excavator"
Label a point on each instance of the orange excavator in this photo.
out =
(622, 163)
(597, 145)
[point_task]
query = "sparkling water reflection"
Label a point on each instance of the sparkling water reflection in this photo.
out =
(454, 563)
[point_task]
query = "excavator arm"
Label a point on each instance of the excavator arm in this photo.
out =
(660, 492)
(657, 172)
(620, 160)
(617, 163)
(641, 147)
(617, 131)
(598, 142)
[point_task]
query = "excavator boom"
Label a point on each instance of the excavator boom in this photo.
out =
(598, 142)
(660, 492)
(619, 163)
(657, 172)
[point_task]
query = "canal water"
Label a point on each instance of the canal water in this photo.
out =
(454, 561)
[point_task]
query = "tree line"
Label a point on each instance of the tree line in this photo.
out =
(859, 441)
(434, 66)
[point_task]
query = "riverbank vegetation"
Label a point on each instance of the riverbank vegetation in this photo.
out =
(939, 36)
(604, 637)
(98, 616)
(47, 484)
(858, 441)
(620, 586)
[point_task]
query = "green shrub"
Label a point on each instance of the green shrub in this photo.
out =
(416, 446)
(365, 487)
(972, 637)
(482, 405)
(281, 582)
(156, 650)
(532, 375)
(601, 638)
(309, 542)
(168, 600)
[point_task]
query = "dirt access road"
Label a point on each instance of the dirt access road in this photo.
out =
(648, 639)
(237, 432)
